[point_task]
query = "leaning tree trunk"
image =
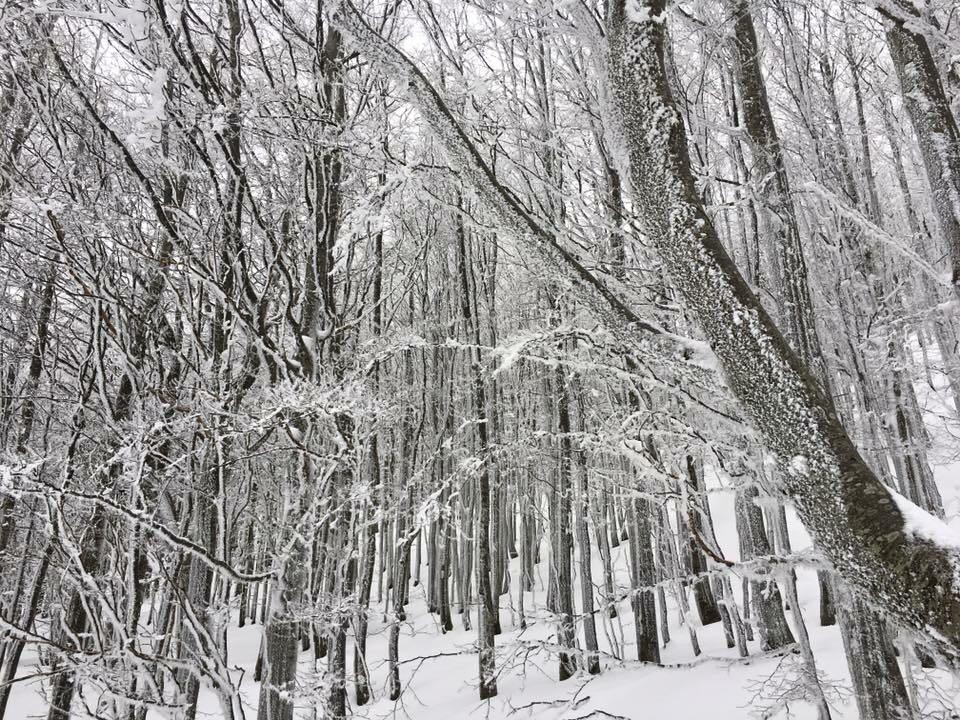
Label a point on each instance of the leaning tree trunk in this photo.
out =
(798, 312)
(851, 515)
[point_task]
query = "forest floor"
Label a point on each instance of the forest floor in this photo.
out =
(438, 670)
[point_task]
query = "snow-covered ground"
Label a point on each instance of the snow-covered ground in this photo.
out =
(438, 671)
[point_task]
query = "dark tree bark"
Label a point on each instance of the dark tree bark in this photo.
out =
(581, 514)
(562, 553)
(489, 623)
(703, 594)
(766, 600)
(933, 121)
(643, 599)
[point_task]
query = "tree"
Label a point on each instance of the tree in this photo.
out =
(931, 117)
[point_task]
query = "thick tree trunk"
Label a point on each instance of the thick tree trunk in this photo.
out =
(703, 595)
(281, 632)
(643, 599)
(767, 602)
(879, 695)
(851, 515)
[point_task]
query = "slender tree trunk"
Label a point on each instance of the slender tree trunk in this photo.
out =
(932, 119)
(489, 621)
(581, 513)
(563, 538)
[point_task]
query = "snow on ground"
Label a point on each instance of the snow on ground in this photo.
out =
(439, 670)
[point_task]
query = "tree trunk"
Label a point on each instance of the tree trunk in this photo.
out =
(563, 540)
(932, 119)
(850, 514)
(767, 602)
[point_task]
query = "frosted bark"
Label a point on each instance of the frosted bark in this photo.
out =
(848, 511)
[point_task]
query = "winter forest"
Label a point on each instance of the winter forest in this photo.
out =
(498, 359)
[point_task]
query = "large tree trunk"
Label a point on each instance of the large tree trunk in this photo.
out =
(642, 597)
(281, 636)
(703, 594)
(851, 515)
(767, 602)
